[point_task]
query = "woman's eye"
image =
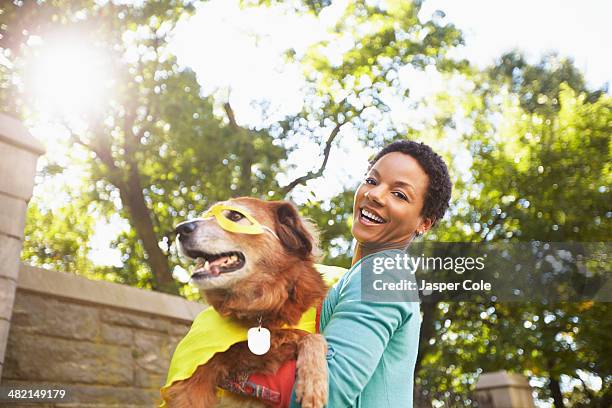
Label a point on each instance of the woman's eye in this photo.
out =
(370, 180)
(400, 195)
(234, 216)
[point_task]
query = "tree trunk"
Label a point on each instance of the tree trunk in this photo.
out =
(140, 218)
(427, 330)
(555, 390)
(246, 152)
(246, 162)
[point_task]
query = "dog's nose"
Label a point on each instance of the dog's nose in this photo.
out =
(185, 228)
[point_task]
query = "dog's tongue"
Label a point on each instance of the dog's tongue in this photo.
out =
(215, 266)
(214, 270)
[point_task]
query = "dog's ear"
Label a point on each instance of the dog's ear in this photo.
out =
(291, 231)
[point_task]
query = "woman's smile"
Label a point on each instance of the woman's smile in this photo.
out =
(370, 217)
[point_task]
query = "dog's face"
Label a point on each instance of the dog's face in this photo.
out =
(224, 257)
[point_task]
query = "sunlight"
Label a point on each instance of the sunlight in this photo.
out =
(68, 77)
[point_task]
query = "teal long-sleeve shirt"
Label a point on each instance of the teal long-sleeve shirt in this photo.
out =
(372, 346)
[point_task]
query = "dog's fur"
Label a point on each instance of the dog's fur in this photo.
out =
(277, 283)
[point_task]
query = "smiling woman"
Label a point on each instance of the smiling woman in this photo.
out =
(67, 75)
(405, 191)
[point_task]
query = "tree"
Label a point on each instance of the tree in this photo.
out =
(539, 172)
(152, 144)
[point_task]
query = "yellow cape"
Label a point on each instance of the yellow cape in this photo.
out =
(211, 333)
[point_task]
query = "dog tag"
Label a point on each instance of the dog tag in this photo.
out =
(258, 340)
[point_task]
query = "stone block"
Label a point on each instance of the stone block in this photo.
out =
(13, 132)
(111, 334)
(7, 297)
(179, 329)
(161, 309)
(34, 313)
(17, 171)
(136, 320)
(115, 397)
(12, 216)
(145, 379)
(10, 250)
(4, 334)
(502, 389)
(34, 358)
(152, 352)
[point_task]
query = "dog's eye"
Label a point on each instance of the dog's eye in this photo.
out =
(234, 216)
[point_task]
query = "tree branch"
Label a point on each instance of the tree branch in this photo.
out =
(103, 153)
(230, 115)
(587, 390)
(315, 174)
(247, 153)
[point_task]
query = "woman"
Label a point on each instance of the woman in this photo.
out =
(373, 345)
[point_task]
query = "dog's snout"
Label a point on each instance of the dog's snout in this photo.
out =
(185, 228)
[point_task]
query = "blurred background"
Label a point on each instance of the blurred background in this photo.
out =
(151, 111)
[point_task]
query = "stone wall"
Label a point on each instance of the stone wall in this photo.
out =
(109, 344)
(19, 152)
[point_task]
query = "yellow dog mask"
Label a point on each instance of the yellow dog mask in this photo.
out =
(228, 218)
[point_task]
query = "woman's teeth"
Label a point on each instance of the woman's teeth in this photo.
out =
(372, 217)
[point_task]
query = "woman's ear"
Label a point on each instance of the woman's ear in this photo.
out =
(425, 225)
(291, 231)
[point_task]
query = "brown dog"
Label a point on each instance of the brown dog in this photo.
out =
(267, 277)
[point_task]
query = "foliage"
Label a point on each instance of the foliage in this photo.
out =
(54, 246)
(539, 173)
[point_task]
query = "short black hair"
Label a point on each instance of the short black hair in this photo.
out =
(440, 186)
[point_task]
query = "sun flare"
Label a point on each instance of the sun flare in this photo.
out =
(70, 78)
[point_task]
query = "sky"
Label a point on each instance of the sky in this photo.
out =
(577, 29)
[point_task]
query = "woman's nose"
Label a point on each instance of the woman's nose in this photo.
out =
(375, 195)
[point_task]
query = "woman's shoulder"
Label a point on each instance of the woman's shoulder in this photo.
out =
(355, 286)
(367, 266)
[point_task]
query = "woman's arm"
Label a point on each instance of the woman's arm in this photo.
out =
(357, 334)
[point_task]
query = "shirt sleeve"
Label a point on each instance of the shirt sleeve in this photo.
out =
(357, 334)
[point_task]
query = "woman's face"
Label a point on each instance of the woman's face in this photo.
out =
(389, 201)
